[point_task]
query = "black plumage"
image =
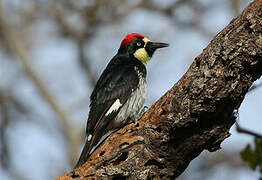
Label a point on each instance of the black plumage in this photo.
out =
(119, 93)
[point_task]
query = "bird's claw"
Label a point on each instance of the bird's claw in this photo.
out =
(140, 114)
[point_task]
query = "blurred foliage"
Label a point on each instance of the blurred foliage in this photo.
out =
(253, 156)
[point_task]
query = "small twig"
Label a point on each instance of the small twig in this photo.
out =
(4, 153)
(254, 87)
(236, 6)
(80, 38)
(84, 62)
(246, 131)
(5, 121)
(243, 130)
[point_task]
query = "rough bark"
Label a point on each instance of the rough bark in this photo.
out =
(195, 115)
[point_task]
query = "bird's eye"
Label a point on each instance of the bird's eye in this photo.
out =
(139, 44)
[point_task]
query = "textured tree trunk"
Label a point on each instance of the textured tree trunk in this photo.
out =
(196, 114)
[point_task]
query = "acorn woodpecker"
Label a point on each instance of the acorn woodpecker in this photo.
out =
(120, 91)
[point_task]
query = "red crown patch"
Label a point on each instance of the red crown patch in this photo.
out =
(130, 37)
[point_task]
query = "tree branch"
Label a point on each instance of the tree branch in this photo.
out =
(246, 131)
(194, 115)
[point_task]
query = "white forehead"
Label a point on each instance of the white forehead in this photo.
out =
(146, 40)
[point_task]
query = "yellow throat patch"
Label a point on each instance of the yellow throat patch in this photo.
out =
(142, 55)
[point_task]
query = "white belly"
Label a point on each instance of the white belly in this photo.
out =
(131, 108)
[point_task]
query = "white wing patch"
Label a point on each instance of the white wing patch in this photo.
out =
(115, 106)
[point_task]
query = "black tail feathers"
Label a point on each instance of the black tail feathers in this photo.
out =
(84, 156)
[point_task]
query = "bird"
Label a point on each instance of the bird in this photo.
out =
(120, 91)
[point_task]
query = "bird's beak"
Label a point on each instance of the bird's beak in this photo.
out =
(152, 46)
(156, 45)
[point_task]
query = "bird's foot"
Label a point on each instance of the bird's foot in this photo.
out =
(139, 115)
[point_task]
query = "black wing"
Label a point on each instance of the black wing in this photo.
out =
(117, 82)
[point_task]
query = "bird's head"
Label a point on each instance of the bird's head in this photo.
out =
(139, 47)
